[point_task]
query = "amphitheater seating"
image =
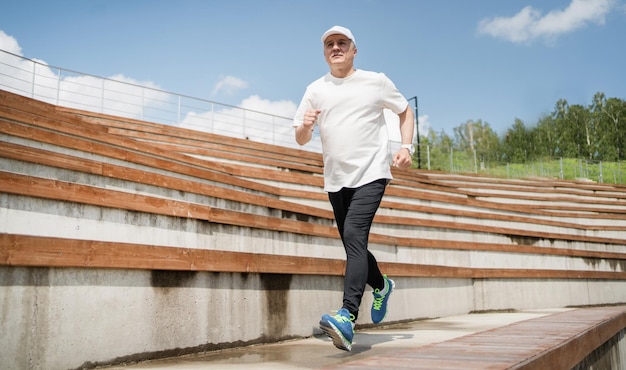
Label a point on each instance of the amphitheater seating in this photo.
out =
(262, 210)
(290, 181)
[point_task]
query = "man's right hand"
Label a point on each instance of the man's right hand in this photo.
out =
(304, 132)
(310, 118)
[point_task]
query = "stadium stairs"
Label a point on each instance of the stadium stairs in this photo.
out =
(123, 240)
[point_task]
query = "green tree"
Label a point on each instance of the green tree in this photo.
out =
(579, 130)
(574, 127)
(478, 140)
(440, 146)
(594, 132)
(516, 143)
(545, 138)
(610, 117)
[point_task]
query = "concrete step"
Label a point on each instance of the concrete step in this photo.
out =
(370, 345)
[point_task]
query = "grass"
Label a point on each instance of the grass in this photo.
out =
(565, 168)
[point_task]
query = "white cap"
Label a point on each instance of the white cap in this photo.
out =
(338, 30)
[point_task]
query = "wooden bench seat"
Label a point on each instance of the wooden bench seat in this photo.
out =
(555, 342)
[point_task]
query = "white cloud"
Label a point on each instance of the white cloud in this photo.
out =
(9, 43)
(424, 125)
(229, 85)
(530, 24)
(117, 95)
(254, 118)
(283, 108)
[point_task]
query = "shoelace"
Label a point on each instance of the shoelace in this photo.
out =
(343, 319)
(378, 301)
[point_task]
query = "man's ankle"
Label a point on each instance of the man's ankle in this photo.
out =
(385, 288)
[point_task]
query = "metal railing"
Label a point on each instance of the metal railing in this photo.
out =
(120, 96)
(549, 167)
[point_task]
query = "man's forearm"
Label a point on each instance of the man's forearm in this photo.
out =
(407, 120)
(303, 134)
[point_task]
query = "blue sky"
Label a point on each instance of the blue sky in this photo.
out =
(493, 60)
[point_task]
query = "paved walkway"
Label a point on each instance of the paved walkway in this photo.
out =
(319, 353)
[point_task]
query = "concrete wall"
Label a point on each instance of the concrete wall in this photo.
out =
(69, 318)
(77, 318)
(611, 355)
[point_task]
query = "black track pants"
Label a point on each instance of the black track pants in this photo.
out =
(354, 210)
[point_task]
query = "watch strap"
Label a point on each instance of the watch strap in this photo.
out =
(409, 147)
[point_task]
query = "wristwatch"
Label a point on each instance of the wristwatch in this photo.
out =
(409, 147)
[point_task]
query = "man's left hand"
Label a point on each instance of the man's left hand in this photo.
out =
(402, 159)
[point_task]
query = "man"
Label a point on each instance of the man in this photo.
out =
(347, 106)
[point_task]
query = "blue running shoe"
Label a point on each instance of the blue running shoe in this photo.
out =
(339, 328)
(379, 306)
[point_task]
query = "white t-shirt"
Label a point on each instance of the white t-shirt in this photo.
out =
(355, 143)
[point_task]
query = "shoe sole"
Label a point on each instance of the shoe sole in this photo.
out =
(335, 334)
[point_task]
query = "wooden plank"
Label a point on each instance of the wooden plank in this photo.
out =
(37, 251)
(48, 158)
(613, 191)
(180, 132)
(420, 270)
(44, 157)
(33, 251)
(558, 341)
(542, 185)
(529, 195)
(452, 196)
(123, 149)
(65, 191)
(219, 149)
(502, 217)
